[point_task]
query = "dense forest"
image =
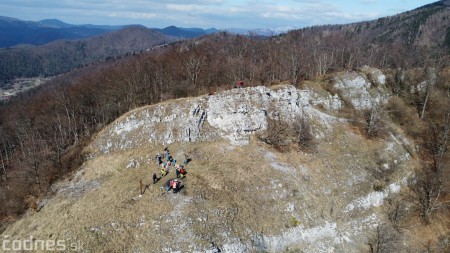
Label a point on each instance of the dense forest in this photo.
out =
(64, 55)
(43, 132)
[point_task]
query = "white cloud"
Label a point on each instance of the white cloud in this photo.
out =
(133, 15)
(181, 7)
(352, 16)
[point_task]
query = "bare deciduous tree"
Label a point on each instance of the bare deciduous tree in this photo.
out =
(427, 188)
(383, 240)
(374, 119)
(282, 134)
(444, 136)
(276, 134)
(302, 130)
(5, 150)
(430, 83)
(397, 212)
(193, 66)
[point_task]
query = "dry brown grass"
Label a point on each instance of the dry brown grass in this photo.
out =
(232, 189)
(230, 192)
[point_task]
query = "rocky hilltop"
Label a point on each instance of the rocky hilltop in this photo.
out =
(241, 194)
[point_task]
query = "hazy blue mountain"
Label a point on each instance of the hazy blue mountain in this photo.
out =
(182, 32)
(64, 55)
(15, 31)
(211, 30)
(54, 23)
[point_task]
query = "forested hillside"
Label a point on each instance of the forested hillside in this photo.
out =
(15, 31)
(63, 55)
(42, 132)
(428, 25)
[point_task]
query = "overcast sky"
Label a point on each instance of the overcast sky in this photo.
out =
(207, 13)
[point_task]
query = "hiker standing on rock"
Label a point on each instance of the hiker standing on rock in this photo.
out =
(187, 159)
(164, 171)
(177, 172)
(183, 172)
(158, 159)
(169, 185)
(155, 178)
(167, 153)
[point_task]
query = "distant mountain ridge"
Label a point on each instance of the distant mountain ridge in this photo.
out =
(428, 26)
(63, 55)
(15, 32)
(261, 31)
(186, 32)
(56, 23)
(415, 26)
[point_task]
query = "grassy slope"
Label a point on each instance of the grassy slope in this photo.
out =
(231, 192)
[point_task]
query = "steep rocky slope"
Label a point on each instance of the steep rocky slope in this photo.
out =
(240, 194)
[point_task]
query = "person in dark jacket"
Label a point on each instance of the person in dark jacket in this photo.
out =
(158, 159)
(155, 178)
(177, 172)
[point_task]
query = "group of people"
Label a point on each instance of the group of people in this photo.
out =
(165, 161)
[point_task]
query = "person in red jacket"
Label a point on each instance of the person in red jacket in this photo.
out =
(239, 84)
(175, 185)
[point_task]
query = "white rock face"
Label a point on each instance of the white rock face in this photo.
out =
(377, 75)
(236, 114)
(360, 91)
(313, 202)
(355, 87)
(374, 198)
(233, 115)
(430, 81)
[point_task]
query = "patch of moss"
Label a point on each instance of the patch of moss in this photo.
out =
(295, 222)
(379, 186)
